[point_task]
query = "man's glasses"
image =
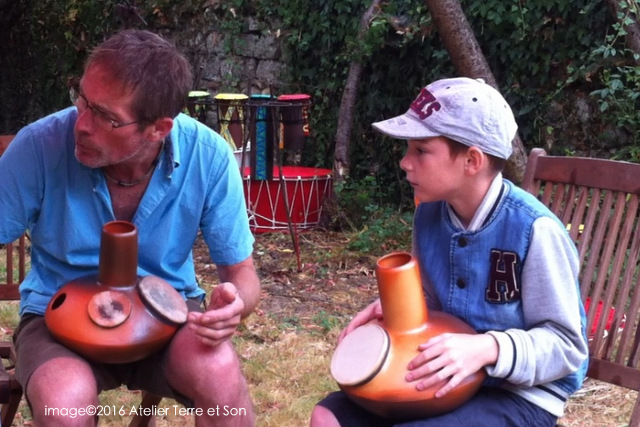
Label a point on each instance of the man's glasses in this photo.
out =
(82, 104)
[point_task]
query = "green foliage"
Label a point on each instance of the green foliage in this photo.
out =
(538, 50)
(618, 93)
(326, 321)
(618, 101)
(385, 229)
(528, 45)
(378, 226)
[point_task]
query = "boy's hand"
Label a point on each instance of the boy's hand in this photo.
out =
(451, 358)
(372, 312)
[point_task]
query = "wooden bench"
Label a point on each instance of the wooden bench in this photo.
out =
(15, 258)
(599, 201)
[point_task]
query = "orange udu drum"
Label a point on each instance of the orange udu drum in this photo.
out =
(370, 363)
(116, 316)
(306, 188)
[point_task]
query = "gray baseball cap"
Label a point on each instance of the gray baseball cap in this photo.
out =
(466, 110)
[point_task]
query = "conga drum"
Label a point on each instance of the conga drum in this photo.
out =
(198, 102)
(370, 363)
(231, 117)
(294, 124)
(116, 316)
(261, 136)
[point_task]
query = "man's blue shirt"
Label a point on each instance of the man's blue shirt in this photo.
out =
(195, 187)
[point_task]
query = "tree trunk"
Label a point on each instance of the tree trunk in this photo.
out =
(466, 56)
(347, 104)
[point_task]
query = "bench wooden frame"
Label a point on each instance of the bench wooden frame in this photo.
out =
(599, 201)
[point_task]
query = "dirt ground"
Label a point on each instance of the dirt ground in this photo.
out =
(325, 277)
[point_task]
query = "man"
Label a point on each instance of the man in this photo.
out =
(124, 152)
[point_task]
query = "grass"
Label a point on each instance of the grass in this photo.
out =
(286, 345)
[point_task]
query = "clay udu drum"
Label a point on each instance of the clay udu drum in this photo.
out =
(370, 363)
(116, 316)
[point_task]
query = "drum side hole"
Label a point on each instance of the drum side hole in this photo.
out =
(58, 301)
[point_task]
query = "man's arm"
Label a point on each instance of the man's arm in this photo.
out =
(244, 277)
(232, 300)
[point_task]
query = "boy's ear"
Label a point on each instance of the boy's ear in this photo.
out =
(474, 160)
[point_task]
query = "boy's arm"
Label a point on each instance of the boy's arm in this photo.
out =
(553, 344)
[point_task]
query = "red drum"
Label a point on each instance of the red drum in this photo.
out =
(306, 189)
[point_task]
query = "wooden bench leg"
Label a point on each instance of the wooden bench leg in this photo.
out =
(9, 409)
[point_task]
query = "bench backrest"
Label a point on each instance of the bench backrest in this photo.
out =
(599, 201)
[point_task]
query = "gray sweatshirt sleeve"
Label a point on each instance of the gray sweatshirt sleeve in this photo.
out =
(552, 345)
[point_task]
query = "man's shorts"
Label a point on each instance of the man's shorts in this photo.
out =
(35, 346)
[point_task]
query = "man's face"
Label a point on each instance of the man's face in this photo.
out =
(106, 130)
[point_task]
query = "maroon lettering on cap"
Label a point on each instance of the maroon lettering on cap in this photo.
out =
(425, 104)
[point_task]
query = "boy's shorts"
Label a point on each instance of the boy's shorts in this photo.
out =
(490, 407)
(35, 345)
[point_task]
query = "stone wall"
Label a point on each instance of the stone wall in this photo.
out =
(253, 62)
(250, 63)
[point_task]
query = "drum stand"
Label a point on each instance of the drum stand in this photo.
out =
(278, 157)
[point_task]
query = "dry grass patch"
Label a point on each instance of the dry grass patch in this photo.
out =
(286, 345)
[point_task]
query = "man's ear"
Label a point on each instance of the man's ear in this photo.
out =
(159, 129)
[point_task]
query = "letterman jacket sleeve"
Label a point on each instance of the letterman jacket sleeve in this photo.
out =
(553, 344)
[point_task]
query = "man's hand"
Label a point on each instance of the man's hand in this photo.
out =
(222, 317)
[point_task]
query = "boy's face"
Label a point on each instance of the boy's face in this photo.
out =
(433, 172)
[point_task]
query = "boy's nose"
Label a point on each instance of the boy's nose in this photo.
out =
(405, 165)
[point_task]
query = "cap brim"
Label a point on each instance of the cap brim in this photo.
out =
(404, 127)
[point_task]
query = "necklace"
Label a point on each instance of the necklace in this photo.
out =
(139, 180)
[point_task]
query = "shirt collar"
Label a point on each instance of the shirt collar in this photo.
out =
(484, 210)
(172, 154)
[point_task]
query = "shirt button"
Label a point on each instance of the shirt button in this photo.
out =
(461, 284)
(462, 242)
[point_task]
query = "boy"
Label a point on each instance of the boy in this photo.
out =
(490, 254)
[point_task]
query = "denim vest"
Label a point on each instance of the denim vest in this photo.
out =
(477, 275)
